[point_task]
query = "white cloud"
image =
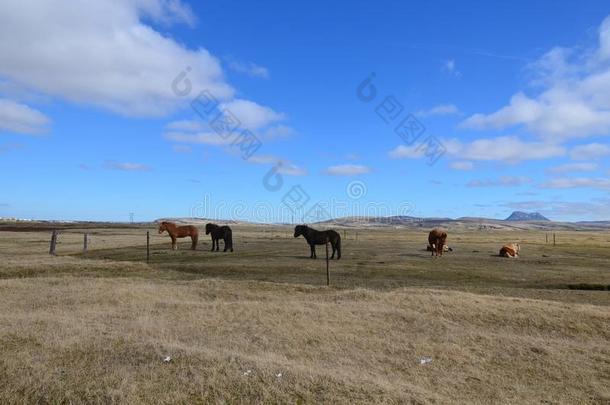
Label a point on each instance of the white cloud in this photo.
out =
(290, 169)
(578, 182)
(127, 166)
(504, 181)
(249, 68)
(201, 138)
(449, 67)
(276, 132)
(182, 149)
(16, 117)
(271, 132)
(251, 115)
(441, 109)
(347, 170)
(461, 165)
(574, 102)
(102, 53)
(590, 151)
(186, 125)
(264, 159)
(508, 149)
(406, 152)
(283, 166)
(573, 167)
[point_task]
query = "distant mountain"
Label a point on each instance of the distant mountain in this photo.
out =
(526, 216)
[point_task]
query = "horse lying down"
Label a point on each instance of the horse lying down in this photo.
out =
(510, 250)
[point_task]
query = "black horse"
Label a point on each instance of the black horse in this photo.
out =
(314, 238)
(220, 232)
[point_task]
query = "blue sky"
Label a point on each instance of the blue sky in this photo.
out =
(514, 95)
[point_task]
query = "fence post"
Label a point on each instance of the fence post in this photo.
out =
(53, 242)
(327, 267)
(553, 239)
(85, 243)
(546, 236)
(147, 246)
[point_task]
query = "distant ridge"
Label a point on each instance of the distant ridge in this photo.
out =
(526, 216)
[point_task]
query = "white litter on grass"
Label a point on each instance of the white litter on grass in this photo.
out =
(279, 375)
(167, 359)
(247, 372)
(425, 360)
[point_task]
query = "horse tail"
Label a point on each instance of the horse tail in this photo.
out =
(194, 238)
(338, 245)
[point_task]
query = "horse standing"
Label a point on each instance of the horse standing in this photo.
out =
(437, 240)
(176, 231)
(314, 238)
(220, 232)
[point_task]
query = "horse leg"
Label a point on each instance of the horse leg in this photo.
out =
(217, 244)
(226, 247)
(313, 252)
(194, 240)
(213, 241)
(334, 250)
(174, 244)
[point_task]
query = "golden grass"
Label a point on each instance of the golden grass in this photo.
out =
(96, 329)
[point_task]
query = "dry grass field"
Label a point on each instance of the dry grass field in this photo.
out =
(260, 326)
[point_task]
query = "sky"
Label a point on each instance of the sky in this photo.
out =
(301, 111)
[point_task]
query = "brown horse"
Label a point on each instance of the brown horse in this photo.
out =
(437, 239)
(510, 250)
(176, 231)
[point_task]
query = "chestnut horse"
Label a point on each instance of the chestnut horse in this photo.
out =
(510, 250)
(314, 238)
(220, 232)
(176, 231)
(437, 239)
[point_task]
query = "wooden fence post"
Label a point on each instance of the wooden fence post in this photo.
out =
(147, 246)
(546, 236)
(85, 240)
(553, 239)
(327, 267)
(53, 243)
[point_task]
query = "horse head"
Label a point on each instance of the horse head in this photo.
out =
(162, 227)
(209, 228)
(299, 230)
